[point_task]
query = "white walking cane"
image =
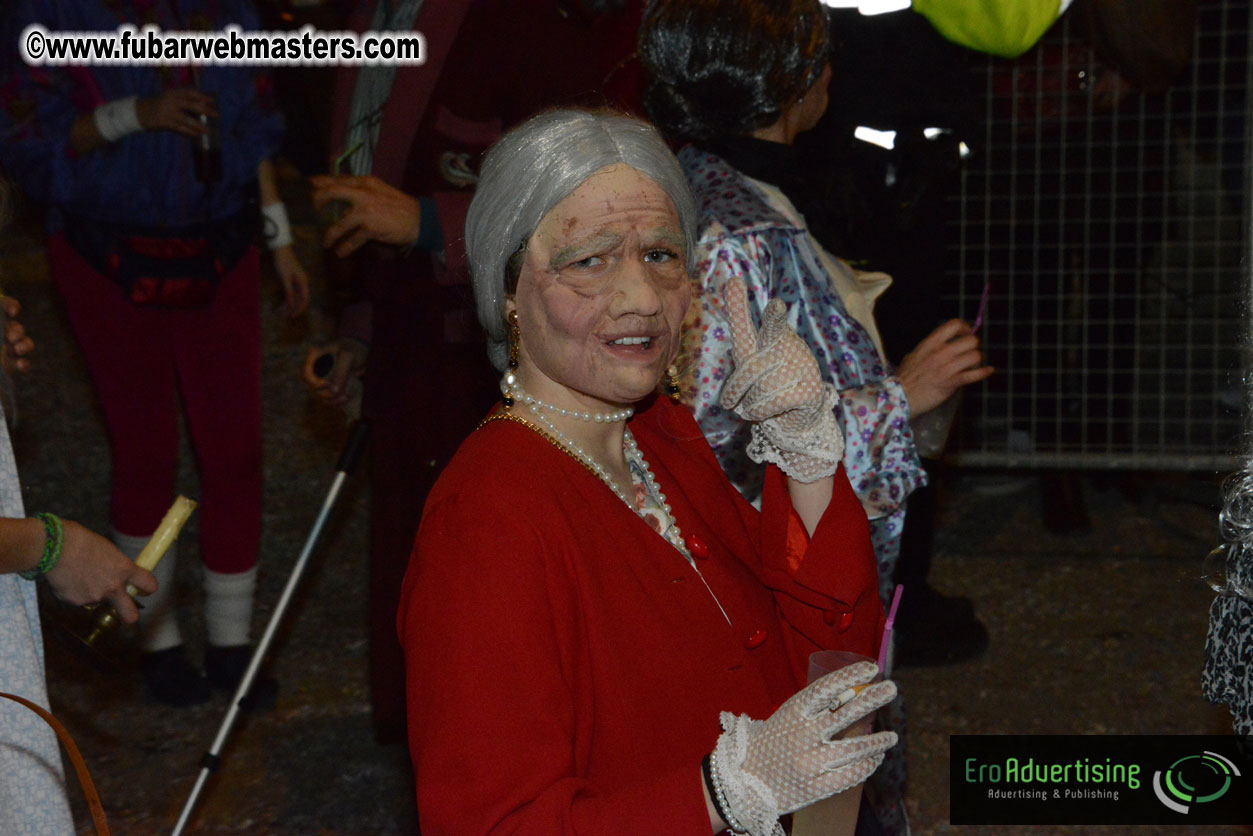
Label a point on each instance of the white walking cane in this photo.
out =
(209, 763)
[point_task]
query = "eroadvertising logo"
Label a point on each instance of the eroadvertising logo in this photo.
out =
(1099, 779)
(1194, 779)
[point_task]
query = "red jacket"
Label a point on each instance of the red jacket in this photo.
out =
(566, 666)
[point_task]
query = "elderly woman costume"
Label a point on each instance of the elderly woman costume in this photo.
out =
(588, 594)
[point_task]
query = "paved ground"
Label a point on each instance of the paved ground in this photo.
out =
(1095, 633)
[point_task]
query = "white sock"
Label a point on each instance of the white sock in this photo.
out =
(158, 620)
(228, 606)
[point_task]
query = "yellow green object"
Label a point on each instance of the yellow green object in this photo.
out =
(1007, 28)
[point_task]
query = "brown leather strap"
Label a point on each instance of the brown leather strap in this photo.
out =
(80, 766)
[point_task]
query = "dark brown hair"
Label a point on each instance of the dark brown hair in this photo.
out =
(728, 67)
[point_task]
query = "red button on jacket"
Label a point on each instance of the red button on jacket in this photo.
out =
(840, 620)
(696, 547)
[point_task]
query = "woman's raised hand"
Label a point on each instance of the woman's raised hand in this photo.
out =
(777, 386)
(766, 769)
(776, 375)
(946, 360)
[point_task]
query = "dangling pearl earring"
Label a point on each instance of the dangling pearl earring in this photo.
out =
(510, 379)
(669, 383)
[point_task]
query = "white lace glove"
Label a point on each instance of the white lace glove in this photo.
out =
(777, 386)
(765, 769)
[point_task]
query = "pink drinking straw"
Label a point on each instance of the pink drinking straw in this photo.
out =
(983, 307)
(887, 629)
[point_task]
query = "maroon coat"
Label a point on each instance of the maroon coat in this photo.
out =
(566, 667)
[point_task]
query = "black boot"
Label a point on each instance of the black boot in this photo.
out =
(225, 667)
(171, 679)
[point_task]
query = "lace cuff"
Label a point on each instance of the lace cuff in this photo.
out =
(748, 800)
(807, 454)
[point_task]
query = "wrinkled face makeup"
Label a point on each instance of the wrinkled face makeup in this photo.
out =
(602, 293)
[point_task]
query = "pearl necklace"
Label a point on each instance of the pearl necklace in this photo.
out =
(629, 448)
(512, 388)
(671, 533)
(636, 458)
(579, 453)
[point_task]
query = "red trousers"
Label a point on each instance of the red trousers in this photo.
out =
(141, 361)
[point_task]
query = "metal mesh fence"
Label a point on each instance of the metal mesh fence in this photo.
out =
(1105, 228)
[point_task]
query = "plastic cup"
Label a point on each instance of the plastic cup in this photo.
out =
(836, 815)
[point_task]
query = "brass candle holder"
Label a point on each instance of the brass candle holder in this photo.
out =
(96, 621)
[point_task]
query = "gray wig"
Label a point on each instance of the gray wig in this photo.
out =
(533, 168)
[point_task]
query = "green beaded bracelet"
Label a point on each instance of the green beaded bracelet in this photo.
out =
(54, 540)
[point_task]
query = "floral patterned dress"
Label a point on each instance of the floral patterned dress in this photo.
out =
(32, 786)
(750, 231)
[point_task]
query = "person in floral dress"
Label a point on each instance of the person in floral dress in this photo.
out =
(738, 86)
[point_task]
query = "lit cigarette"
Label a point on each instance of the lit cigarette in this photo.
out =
(164, 536)
(848, 695)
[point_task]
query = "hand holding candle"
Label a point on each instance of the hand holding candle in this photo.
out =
(106, 617)
(165, 535)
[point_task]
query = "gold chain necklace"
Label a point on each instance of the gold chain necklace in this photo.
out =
(518, 419)
(676, 541)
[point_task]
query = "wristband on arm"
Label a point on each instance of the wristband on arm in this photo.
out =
(276, 228)
(117, 119)
(54, 542)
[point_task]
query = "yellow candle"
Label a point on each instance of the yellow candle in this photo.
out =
(166, 533)
(158, 544)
